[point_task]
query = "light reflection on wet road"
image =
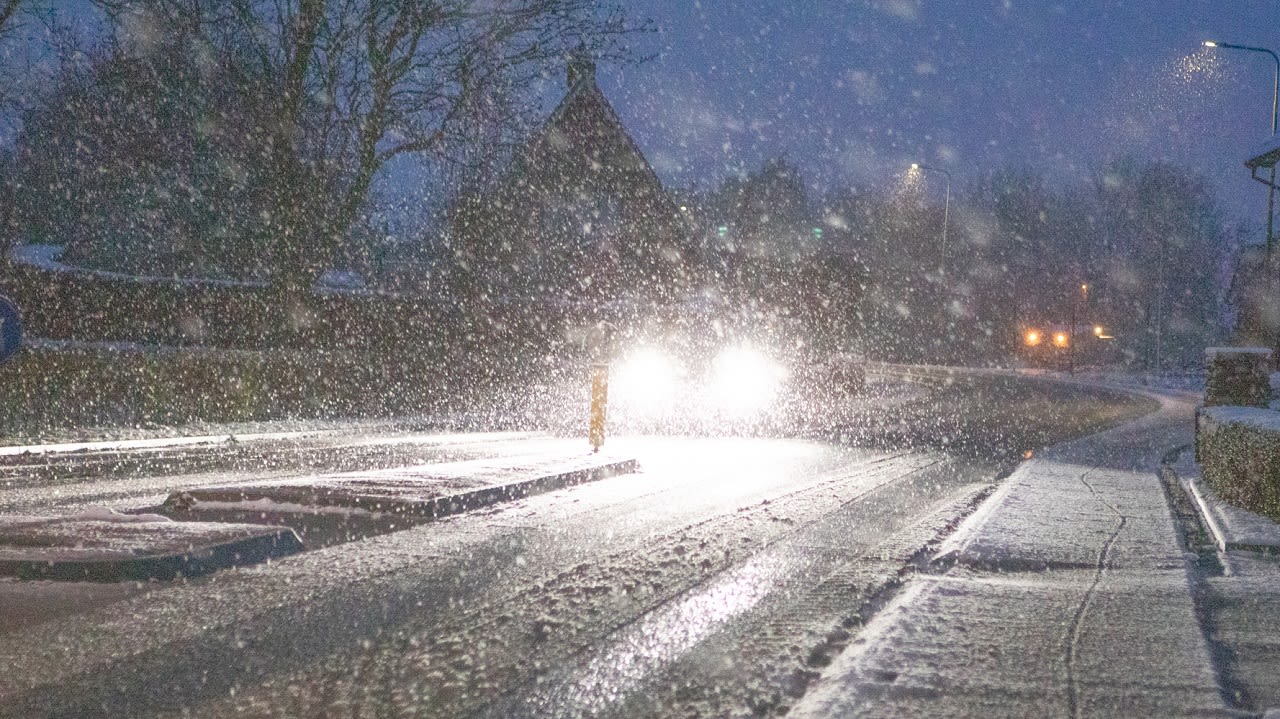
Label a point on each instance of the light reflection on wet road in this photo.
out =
(638, 651)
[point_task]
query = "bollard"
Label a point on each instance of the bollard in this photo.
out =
(599, 403)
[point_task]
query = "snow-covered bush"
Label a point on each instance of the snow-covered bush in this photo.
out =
(1239, 453)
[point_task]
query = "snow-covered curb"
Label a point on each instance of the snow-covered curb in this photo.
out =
(46, 257)
(1232, 528)
(157, 443)
(428, 491)
(103, 545)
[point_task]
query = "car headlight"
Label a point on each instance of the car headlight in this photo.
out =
(744, 380)
(646, 381)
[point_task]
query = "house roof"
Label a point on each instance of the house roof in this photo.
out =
(584, 96)
(1265, 155)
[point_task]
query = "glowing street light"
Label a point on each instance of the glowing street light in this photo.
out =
(1275, 115)
(1032, 338)
(1275, 91)
(946, 210)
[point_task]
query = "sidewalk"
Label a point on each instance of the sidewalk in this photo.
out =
(1067, 594)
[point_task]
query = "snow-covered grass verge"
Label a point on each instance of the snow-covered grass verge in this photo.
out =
(1239, 452)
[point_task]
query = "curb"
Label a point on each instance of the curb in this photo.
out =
(329, 512)
(1221, 538)
(425, 509)
(1196, 492)
(272, 544)
(1202, 508)
(149, 555)
(1205, 506)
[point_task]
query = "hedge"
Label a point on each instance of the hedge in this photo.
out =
(1238, 376)
(1239, 453)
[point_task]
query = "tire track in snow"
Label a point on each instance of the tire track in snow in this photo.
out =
(1076, 627)
(454, 665)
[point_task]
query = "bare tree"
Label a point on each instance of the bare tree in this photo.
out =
(8, 15)
(348, 85)
(10, 21)
(28, 30)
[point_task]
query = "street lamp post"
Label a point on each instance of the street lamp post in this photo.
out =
(1275, 115)
(946, 211)
(1071, 331)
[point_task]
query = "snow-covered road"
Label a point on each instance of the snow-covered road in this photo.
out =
(564, 604)
(717, 581)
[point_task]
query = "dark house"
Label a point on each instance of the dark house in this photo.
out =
(578, 216)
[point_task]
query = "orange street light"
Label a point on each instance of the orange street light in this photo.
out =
(1032, 338)
(1060, 339)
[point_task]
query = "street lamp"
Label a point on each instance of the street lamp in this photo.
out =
(1071, 331)
(1275, 106)
(946, 211)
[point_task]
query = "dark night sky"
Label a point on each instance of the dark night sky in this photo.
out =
(853, 91)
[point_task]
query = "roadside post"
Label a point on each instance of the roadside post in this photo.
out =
(599, 403)
(600, 341)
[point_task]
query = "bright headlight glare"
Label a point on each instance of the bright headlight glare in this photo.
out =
(645, 380)
(745, 380)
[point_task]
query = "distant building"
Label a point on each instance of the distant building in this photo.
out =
(578, 215)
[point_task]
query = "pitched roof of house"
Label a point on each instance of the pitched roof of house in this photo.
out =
(584, 98)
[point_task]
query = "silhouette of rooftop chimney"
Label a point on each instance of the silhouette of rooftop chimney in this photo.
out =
(581, 67)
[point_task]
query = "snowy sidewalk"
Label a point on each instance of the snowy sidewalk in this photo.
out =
(1068, 594)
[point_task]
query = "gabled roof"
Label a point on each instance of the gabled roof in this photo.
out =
(584, 96)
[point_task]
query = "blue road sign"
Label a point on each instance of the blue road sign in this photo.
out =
(10, 329)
